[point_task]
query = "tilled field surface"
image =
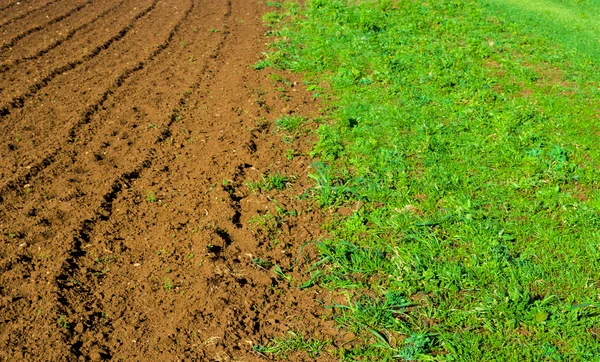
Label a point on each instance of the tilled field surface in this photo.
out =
(128, 133)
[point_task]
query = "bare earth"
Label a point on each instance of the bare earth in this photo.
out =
(128, 130)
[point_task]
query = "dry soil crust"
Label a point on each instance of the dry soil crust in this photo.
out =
(128, 130)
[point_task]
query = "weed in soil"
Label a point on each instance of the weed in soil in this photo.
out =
(271, 181)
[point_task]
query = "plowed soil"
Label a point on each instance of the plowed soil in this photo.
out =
(128, 132)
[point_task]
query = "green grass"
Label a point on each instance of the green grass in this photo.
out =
(271, 181)
(289, 123)
(63, 322)
(464, 135)
(151, 196)
(168, 284)
(571, 23)
(293, 343)
(291, 128)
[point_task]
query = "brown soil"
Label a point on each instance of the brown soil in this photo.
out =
(128, 132)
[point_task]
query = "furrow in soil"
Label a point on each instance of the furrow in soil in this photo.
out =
(42, 22)
(37, 45)
(19, 96)
(25, 11)
(128, 231)
(88, 114)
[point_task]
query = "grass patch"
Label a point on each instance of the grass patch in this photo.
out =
(271, 181)
(293, 343)
(289, 123)
(573, 24)
(291, 127)
(151, 196)
(467, 146)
